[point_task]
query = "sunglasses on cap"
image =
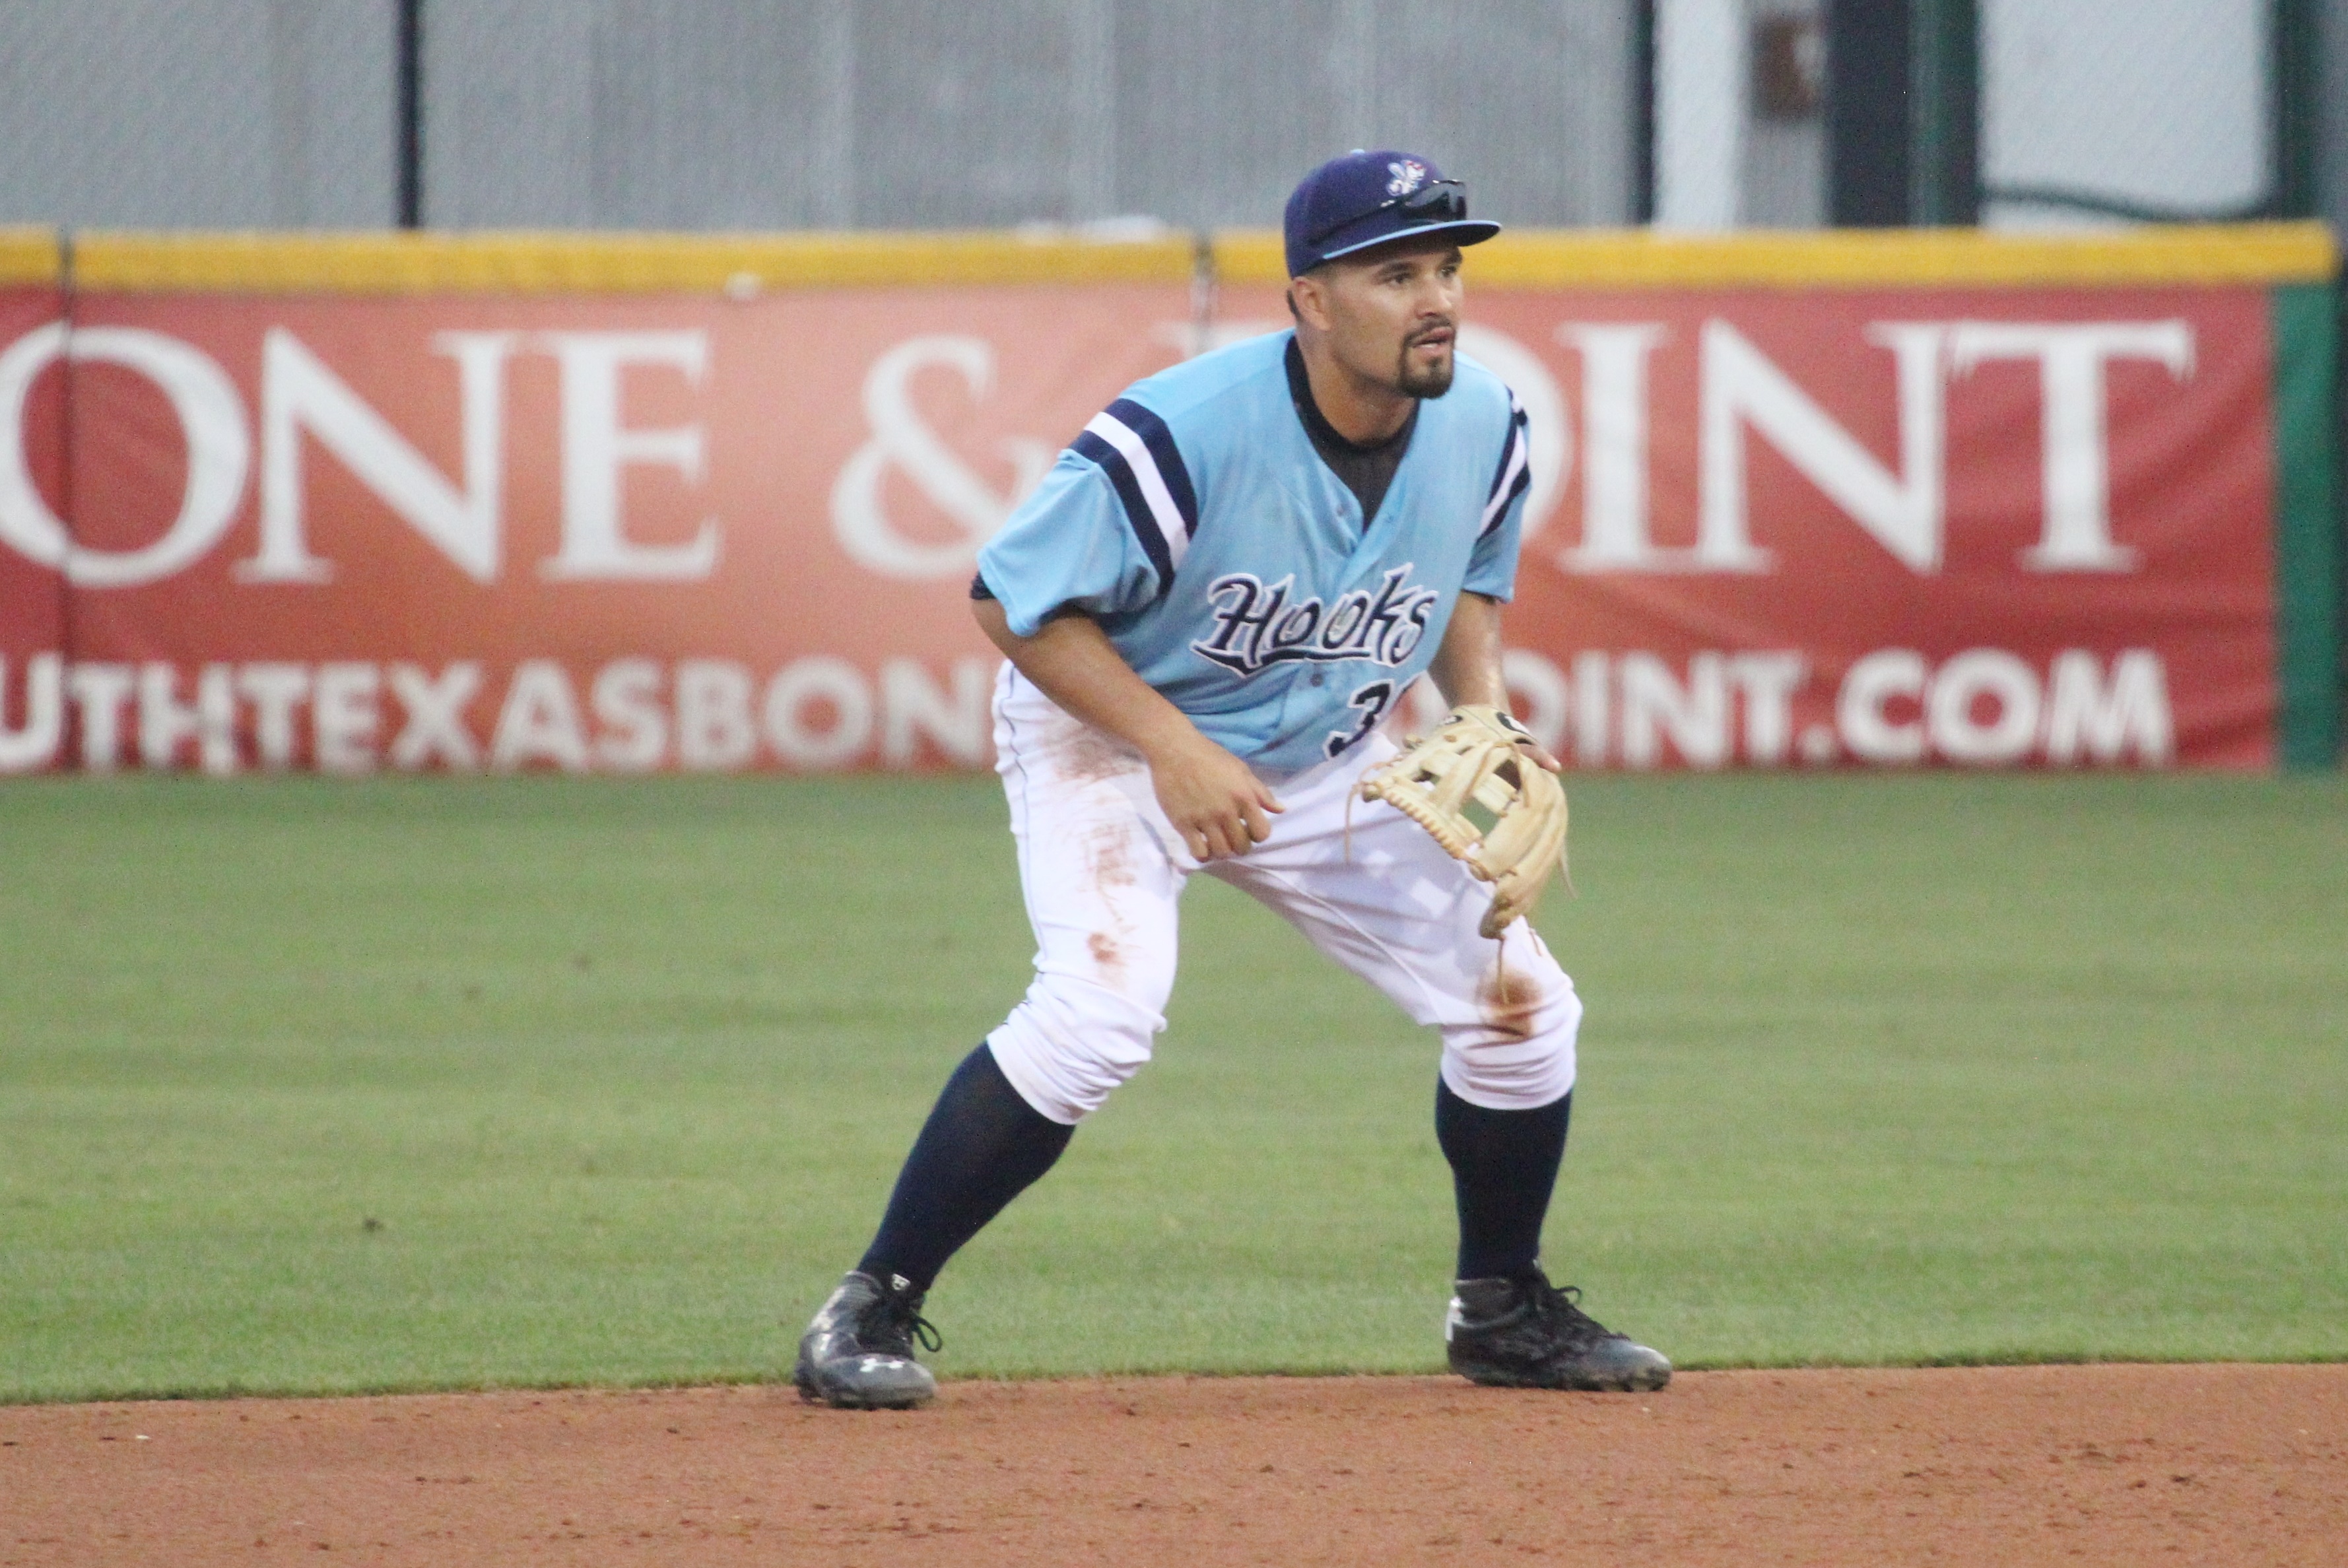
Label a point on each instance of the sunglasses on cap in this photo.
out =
(1436, 201)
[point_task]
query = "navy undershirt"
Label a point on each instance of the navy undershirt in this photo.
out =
(1366, 471)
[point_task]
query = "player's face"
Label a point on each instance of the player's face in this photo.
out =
(1393, 315)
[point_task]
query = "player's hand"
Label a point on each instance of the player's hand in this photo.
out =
(1217, 804)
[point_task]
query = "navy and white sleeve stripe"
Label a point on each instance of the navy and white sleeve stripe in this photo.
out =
(1137, 453)
(1515, 473)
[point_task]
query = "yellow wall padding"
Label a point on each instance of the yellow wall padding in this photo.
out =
(1601, 258)
(392, 264)
(28, 256)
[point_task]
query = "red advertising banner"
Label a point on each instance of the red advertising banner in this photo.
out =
(2027, 524)
(589, 534)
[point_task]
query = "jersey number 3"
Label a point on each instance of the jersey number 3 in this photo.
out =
(1372, 699)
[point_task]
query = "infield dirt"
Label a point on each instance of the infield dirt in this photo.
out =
(2120, 1465)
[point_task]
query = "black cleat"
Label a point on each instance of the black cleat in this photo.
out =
(1523, 1332)
(858, 1354)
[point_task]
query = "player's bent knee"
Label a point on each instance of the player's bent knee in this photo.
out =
(1516, 1059)
(1069, 1045)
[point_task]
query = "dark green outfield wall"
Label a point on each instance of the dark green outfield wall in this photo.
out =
(2307, 539)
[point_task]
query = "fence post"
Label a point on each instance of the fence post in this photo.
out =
(1867, 124)
(1944, 112)
(2294, 65)
(410, 151)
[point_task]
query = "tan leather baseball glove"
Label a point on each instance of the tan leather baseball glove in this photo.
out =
(1474, 756)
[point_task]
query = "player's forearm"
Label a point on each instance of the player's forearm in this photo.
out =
(1467, 664)
(1209, 795)
(1072, 661)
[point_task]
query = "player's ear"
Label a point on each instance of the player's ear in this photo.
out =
(1308, 304)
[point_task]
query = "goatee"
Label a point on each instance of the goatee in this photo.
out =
(1429, 380)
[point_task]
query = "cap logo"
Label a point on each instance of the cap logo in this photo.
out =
(1408, 174)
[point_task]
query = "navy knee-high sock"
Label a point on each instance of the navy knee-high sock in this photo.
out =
(1503, 1166)
(981, 1147)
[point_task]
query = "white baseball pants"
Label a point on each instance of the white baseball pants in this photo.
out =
(1103, 870)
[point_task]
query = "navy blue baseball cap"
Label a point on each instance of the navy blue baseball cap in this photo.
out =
(1366, 199)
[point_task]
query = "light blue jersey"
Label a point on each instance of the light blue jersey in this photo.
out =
(1229, 565)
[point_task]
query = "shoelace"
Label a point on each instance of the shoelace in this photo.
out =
(897, 1320)
(1561, 1303)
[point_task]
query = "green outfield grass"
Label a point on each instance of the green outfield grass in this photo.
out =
(317, 1086)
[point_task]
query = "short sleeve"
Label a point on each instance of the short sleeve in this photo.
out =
(1104, 530)
(1492, 564)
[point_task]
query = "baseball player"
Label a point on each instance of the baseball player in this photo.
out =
(1208, 606)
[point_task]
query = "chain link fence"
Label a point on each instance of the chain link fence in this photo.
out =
(197, 113)
(779, 114)
(2015, 113)
(2150, 109)
(783, 114)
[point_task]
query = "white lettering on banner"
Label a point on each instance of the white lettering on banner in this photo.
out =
(2076, 464)
(210, 722)
(1868, 687)
(1696, 718)
(814, 713)
(714, 728)
(813, 684)
(902, 440)
(540, 720)
(434, 704)
(1961, 687)
(211, 419)
(26, 524)
(1593, 711)
(626, 701)
(1614, 528)
(1986, 706)
(34, 743)
(597, 448)
(1982, 707)
(1903, 511)
(911, 706)
(299, 393)
(275, 691)
(100, 690)
(344, 714)
(2083, 716)
(1654, 704)
(1901, 505)
(1766, 682)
